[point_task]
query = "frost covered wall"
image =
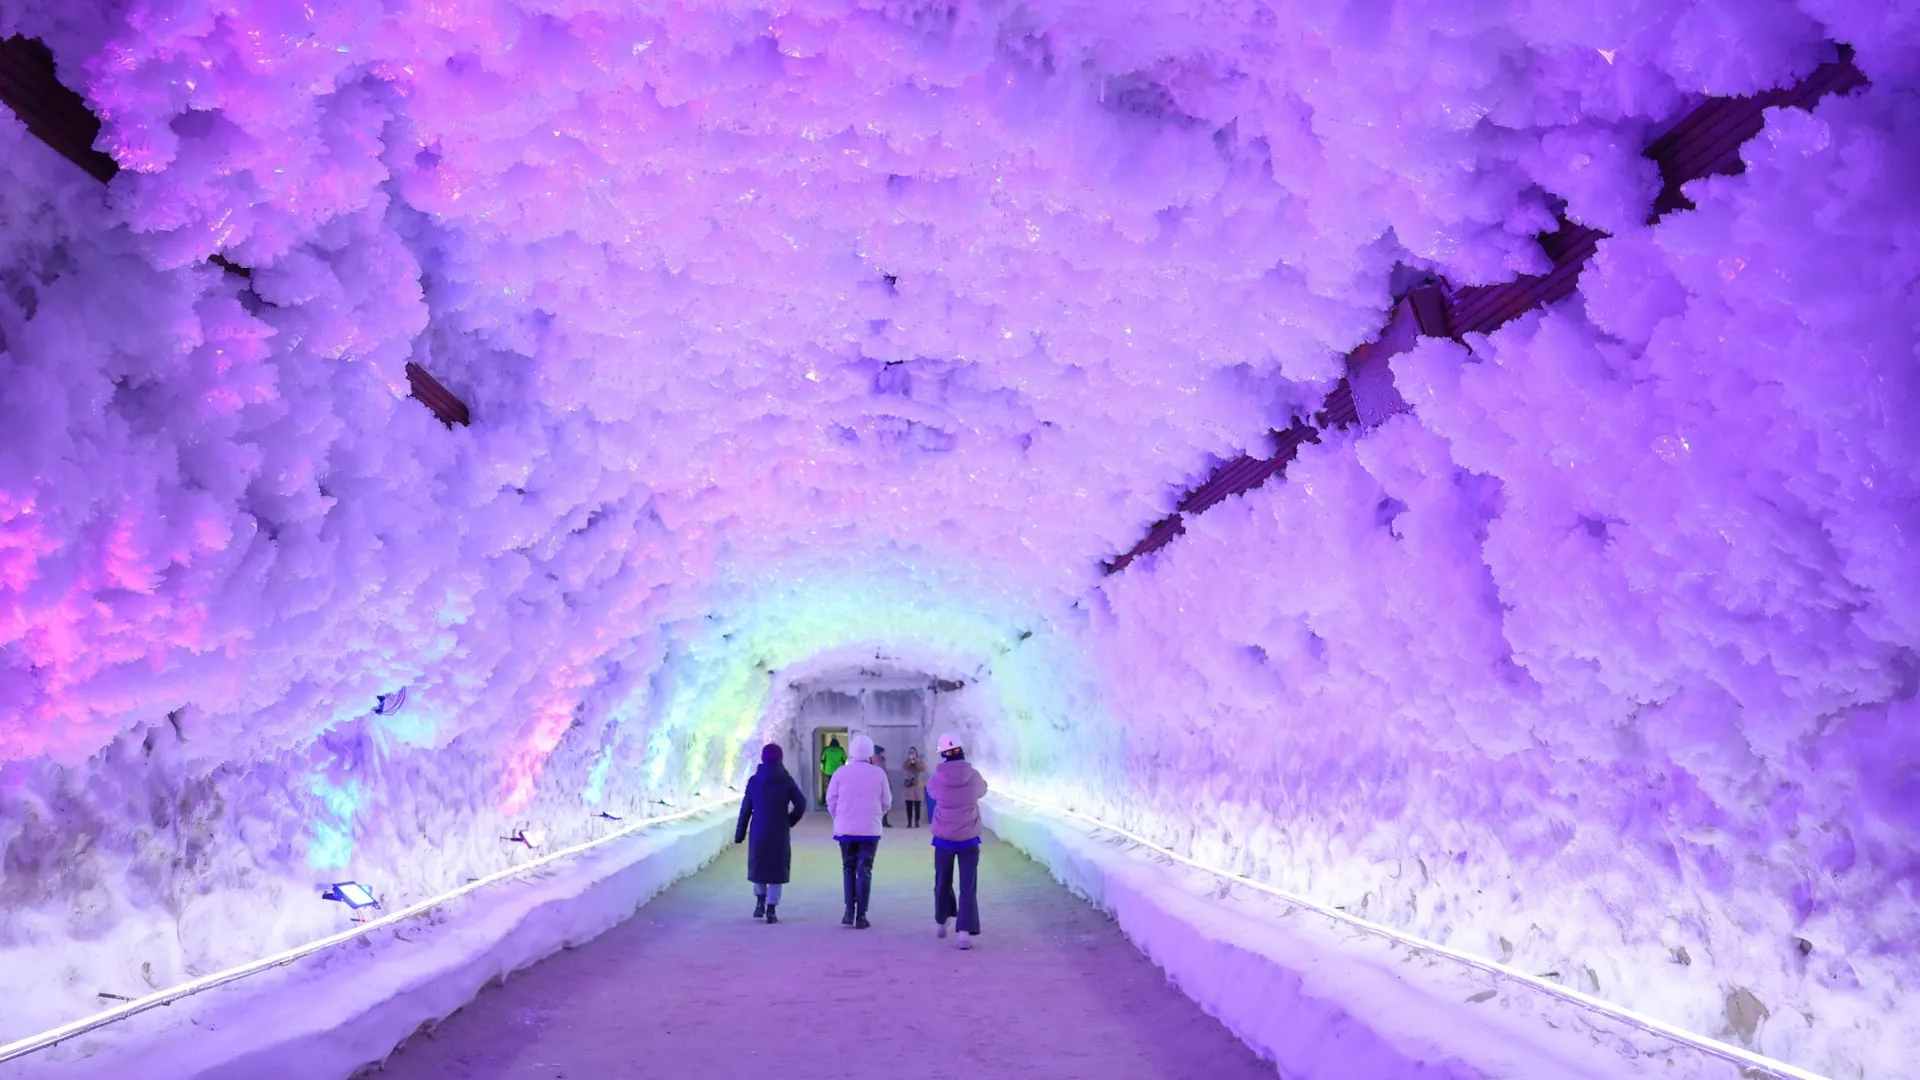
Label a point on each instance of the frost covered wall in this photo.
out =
(1601, 662)
(809, 326)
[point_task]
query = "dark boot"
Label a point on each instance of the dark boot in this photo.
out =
(847, 919)
(861, 923)
(759, 907)
(771, 917)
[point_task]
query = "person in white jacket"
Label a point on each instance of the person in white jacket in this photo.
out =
(858, 796)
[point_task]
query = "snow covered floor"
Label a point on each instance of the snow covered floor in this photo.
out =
(692, 986)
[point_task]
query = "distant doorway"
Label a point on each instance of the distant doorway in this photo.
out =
(823, 738)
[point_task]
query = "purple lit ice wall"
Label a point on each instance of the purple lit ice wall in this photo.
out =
(803, 326)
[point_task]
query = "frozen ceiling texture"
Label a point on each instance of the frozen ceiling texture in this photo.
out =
(817, 329)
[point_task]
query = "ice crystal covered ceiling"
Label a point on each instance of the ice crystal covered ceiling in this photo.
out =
(955, 293)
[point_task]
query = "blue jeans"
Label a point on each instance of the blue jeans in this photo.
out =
(856, 872)
(770, 892)
(945, 906)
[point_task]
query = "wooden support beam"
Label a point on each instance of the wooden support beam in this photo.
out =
(429, 392)
(53, 114)
(59, 117)
(1705, 142)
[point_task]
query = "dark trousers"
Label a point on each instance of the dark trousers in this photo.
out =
(944, 905)
(913, 813)
(856, 872)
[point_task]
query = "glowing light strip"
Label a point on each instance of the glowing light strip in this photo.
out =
(64, 1032)
(1727, 1051)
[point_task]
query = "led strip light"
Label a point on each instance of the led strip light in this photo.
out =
(32, 1043)
(1732, 1054)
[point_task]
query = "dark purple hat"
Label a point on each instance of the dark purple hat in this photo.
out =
(770, 754)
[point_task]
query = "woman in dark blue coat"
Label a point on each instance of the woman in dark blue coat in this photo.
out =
(773, 806)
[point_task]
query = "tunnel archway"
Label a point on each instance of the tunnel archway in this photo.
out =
(1450, 466)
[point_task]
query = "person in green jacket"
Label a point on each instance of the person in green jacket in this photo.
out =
(831, 759)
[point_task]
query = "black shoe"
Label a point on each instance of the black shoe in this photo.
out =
(847, 919)
(760, 908)
(771, 917)
(861, 923)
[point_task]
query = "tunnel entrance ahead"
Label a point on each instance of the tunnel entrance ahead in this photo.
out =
(900, 709)
(692, 986)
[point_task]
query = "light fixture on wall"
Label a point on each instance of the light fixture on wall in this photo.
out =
(389, 704)
(609, 817)
(533, 838)
(351, 893)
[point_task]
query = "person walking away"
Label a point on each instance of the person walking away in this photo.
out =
(773, 805)
(880, 760)
(830, 761)
(859, 797)
(953, 794)
(912, 769)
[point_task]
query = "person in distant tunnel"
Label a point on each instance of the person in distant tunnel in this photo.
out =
(953, 803)
(859, 798)
(912, 769)
(831, 758)
(773, 805)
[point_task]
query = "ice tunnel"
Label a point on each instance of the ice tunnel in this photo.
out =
(1410, 507)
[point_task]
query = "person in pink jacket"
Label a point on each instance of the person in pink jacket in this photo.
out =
(859, 797)
(953, 800)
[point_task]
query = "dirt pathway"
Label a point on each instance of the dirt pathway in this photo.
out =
(693, 988)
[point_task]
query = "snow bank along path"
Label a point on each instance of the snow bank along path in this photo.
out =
(1324, 997)
(330, 1014)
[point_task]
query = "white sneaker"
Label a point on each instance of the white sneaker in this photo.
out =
(966, 942)
(942, 932)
